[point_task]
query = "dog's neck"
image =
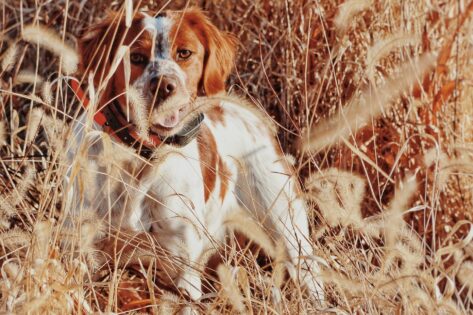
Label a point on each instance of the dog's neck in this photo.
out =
(117, 124)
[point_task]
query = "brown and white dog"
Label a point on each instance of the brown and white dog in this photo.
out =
(194, 170)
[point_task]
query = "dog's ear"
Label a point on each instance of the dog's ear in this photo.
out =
(220, 50)
(220, 60)
(96, 47)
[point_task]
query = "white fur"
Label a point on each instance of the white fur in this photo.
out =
(168, 196)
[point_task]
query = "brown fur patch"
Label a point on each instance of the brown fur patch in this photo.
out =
(224, 174)
(216, 115)
(208, 159)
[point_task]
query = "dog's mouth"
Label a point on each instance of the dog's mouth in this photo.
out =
(170, 121)
(166, 118)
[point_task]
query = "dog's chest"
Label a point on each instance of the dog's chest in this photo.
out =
(202, 176)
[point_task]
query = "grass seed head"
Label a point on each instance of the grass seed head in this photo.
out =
(51, 41)
(9, 58)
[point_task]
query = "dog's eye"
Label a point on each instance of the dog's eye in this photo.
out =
(183, 54)
(138, 59)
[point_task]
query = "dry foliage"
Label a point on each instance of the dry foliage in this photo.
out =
(373, 98)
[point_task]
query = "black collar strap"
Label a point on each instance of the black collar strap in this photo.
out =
(187, 133)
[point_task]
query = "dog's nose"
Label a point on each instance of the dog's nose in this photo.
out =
(163, 87)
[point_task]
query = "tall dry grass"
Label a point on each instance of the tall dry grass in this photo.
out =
(372, 98)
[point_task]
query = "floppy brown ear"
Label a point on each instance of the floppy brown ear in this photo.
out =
(220, 50)
(219, 60)
(219, 63)
(95, 47)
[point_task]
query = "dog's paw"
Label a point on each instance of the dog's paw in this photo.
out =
(188, 310)
(191, 285)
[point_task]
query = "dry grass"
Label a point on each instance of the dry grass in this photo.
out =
(388, 173)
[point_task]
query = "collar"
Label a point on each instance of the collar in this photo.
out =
(113, 122)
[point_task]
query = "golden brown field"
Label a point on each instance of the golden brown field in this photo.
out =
(373, 99)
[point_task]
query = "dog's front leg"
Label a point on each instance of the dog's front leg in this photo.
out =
(184, 245)
(176, 213)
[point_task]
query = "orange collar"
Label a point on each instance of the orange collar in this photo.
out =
(114, 123)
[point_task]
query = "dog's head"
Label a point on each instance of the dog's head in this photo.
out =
(173, 57)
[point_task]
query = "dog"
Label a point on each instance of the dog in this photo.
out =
(189, 167)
